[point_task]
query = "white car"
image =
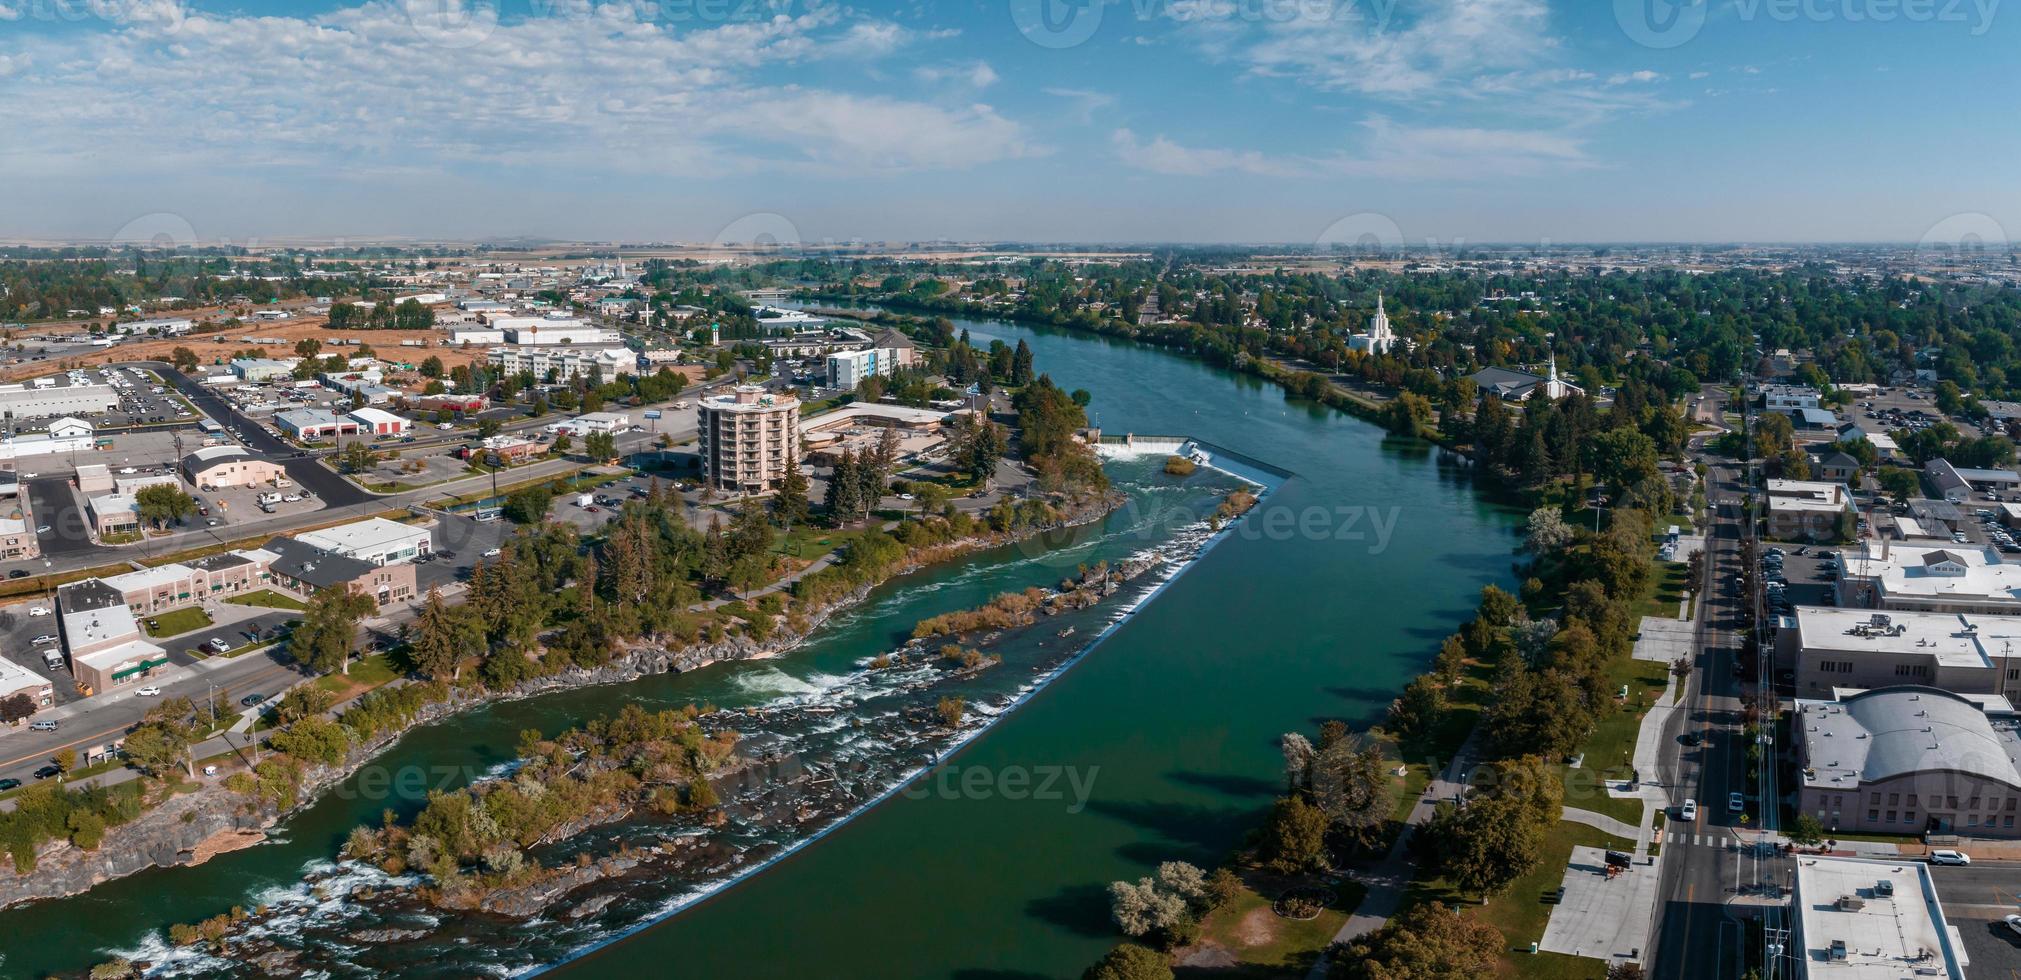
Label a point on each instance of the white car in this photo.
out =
(44, 529)
(1947, 856)
(39, 611)
(2013, 923)
(30, 476)
(149, 691)
(1688, 812)
(493, 553)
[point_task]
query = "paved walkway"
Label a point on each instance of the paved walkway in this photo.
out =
(1387, 881)
(1601, 917)
(1601, 821)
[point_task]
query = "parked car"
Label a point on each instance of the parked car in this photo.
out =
(39, 611)
(1689, 811)
(2013, 921)
(7, 784)
(252, 699)
(219, 644)
(494, 552)
(44, 638)
(1948, 856)
(42, 726)
(47, 771)
(149, 691)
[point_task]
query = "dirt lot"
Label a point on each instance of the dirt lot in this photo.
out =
(223, 343)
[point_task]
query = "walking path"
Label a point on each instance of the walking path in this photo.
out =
(1388, 881)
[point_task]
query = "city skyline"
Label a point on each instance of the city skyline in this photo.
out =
(1441, 121)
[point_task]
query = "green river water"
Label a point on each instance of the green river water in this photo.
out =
(1320, 606)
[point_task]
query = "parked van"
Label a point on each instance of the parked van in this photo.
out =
(282, 482)
(270, 498)
(53, 659)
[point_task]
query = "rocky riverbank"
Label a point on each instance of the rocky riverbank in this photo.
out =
(174, 832)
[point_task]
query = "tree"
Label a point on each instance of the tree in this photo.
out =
(431, 367)
(1130, 961)
(1295, 838)
(1625, 970)
(1350, 785)
(163, 504)
(444, 636)
(1487, 844)
(357, 457)
(789, 502)
(600, 446)
(1412, 714)
(1806, 831)
(1428, 941)
(1141, 908)
(1021, 364)
(327, 637)
(1547, 531)
(309, 347)
(845, 489)
(1409, 414)
(303, 701)
(65, 760)
(15, 708)
(184, 359)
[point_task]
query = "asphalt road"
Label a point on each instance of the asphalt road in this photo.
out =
(1977, 899)
(1699, 930)
(302, 467)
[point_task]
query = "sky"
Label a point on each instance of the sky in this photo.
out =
(1418, 122)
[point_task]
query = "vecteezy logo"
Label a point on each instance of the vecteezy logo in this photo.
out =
(1057, 23)
(161, 229)
(1661, 23)
(453, 23)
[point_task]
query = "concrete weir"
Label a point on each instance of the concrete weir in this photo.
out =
(1218, 457)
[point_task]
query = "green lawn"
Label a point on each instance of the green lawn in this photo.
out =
(268, 599)
(177, 622)
(1666, 589)
(366, 674)
(1266, 944)
(1520, 914)
(812, 542)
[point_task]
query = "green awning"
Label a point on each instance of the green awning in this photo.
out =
(144, 665)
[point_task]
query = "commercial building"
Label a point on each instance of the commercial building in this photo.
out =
(748, 439)
(18, 680)
(563, 363)
(18, 539)
(305, 569)
(306, 424)
(375, 540)
(131, 484)
(94, 478)
(38, 401)
(1870, 920)
(449, 403)
(510, 450)
(1808, 509)
(163, 588)
(583, 425)
(1909, 760)
(1789, 399)
(1928, 576)
(1859, 648)
(258, 370)
(103, 639)
(174, 327)
(1958, 484)
(113, 513)
(378, 422)
(228, 466)
(476, 337)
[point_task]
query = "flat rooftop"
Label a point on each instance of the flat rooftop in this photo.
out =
(374, 532)
(1853, 928)
(1954, 639)
(1934, 571)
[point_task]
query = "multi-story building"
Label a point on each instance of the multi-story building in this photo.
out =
(1788, 399)
(1928, 576)
(1909, 760)
(103, 639)
(749, 439)
(305, 569)
(565, 362)
(1833, 648)
(1859, 919)
(1808, 509)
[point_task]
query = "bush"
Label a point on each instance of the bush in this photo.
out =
(1130, 961)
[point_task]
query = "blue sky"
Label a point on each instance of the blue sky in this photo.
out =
(1036, 120)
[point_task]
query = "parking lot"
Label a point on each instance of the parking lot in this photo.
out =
(18, 632)
(238, 505)
(1977, 899)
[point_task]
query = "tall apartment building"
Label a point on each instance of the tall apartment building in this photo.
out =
(748, 439)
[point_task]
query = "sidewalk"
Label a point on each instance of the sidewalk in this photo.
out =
(1388, 881)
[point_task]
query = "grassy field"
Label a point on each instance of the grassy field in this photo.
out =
(366, 674)
(812, 542)
(267, 599)
(1263, 943)
(1520, 914)
(177, 622)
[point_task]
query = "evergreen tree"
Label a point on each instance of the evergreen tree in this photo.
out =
(789, 503)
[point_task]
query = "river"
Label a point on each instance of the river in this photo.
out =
(1160, 744)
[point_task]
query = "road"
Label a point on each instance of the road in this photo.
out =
(1977, 899)
(1709, 884)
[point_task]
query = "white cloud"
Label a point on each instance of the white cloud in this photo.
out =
(975, 74)
(1387, 151)
(1086, 102)
(1625, 78)
(1695, 76)
(1444, 42)
(370, 89)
